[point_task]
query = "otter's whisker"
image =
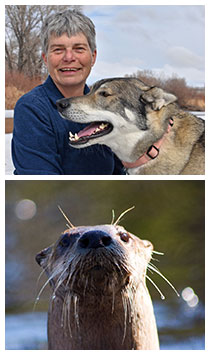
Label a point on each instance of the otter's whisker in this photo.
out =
(60, 279)
(151, 264)
(161, 294)
(85, 286)
(113, 217)
(68, 311)
(65, 318)
(158, 272)
(63, 313)
(155, 259)
(130, 301)
(125, 316)
(113, 297)
(122, 214)
(158, 253)
(76, 313)
(40, 275)
(40, 292)
(67, 219)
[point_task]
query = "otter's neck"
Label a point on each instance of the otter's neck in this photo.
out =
(102, 323)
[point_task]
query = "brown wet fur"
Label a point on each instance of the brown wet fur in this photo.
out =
(99, 296)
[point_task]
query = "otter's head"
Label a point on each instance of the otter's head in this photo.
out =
(95, 260)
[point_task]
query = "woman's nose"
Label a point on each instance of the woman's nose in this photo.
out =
(68, 55)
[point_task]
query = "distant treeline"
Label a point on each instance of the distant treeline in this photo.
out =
(190, 98)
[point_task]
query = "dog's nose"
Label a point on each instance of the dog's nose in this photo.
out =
(95, 239)
(62, 104)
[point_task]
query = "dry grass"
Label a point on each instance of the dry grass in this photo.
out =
(189, 98)
(17, 84)
(12, 94)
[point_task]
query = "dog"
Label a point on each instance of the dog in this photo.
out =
(143, 126)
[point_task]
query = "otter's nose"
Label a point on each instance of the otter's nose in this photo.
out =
(95, 239)
(62, 104)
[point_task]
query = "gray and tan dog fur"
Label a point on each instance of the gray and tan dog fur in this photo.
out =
(129, 117)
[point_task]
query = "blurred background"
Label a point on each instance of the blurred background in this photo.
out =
(170, 214)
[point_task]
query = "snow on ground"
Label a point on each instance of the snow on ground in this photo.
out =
(9, 168)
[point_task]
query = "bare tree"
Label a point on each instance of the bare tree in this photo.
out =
(22, 43)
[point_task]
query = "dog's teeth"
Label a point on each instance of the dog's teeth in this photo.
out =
(71, 136)
(103, 126)
(76, 136)
(97, 130)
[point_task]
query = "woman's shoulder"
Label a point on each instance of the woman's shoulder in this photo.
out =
(36, 94)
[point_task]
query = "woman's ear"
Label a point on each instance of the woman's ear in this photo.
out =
(94, 55)
(44, 57)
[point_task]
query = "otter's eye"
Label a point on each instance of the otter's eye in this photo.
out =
(68, 239)
(65, 240)
(124, 236)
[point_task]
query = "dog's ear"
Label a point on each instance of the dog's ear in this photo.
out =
(158, 98)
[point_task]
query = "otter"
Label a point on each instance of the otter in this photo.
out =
(99, 296)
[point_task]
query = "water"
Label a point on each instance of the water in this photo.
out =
(28, 331)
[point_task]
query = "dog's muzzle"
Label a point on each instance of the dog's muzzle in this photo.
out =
(91, 131)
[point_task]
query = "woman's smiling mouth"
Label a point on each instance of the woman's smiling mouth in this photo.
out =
(69, 70)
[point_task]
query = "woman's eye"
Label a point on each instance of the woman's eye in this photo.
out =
(125, 237)
(58, 50)
(79, 49)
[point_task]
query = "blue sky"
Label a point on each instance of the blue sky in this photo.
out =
(167, 39)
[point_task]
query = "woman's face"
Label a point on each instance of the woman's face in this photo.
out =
(69, 61)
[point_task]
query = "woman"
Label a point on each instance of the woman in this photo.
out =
(40, 136)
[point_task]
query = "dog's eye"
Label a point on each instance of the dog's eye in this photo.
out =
(104, 93)
(125, 237)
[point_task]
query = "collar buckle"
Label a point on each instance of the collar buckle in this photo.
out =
(151, 153)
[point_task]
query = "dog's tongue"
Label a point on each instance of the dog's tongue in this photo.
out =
(89, 130)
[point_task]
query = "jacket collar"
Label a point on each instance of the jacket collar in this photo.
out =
(54, 93)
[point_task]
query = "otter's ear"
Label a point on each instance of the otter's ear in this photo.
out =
(43, 257)
(147, 244)
(158, 98)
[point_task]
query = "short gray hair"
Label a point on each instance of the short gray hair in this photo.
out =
(71, 22)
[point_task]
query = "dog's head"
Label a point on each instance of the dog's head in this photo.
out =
(114, 107)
